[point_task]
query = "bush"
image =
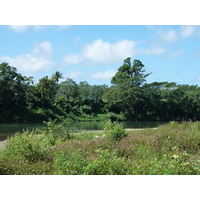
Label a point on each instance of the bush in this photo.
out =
(56, 132)
(28, 146)
(69, 163)
(114, 131)
(21, 166)
(170, 149)
(107, 163)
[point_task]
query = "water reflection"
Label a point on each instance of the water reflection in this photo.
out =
(10, 129)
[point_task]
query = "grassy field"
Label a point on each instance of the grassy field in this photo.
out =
(172, 149)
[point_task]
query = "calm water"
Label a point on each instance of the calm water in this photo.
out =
(9, 129)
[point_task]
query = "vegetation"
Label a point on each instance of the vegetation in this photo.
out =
(128, 98)
(114, 131)
(171, 149)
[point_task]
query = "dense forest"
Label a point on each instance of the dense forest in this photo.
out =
(129, 97)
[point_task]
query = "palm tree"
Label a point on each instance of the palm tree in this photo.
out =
(56, 76)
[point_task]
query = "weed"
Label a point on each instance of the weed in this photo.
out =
(171, 149)
(56, 132)
(114, 131)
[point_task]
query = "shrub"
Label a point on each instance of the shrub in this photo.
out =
(179, 136)
(107, 163)
(114, 131)
(19, 166)
(56, 132)
(69, 163)
(29, 146)
(170, 149)
(167, 164)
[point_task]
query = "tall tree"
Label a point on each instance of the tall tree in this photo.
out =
(46, 91)
(127, 87)
(69, 89)
(56, 76)
(13, 92)
(130, 75)
(85, 91)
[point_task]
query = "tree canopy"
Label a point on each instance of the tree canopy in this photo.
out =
(129, 97)
(130, 75)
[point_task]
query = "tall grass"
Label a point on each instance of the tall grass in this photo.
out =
(172, 149)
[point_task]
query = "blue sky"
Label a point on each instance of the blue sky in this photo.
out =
(95, 52)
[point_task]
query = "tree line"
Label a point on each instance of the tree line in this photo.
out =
(129, 97)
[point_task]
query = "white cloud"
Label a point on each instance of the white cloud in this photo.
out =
(39, 27)
(35, 61)
(28, 63)
(163, 34)
(43, 49)
(187, 31)
(152, 51)
(168, 36)
(24, 28)
(103, 52)
(108, 53)
(19, 28)
(106, 75)
(74, 75)
(198, 78)
(73, 59)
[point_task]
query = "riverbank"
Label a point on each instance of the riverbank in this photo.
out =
(9, 129)
(3, 143)
(171, 149)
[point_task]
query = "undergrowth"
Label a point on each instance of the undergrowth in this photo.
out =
(172, 149)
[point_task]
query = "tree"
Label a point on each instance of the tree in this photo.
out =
(98, 91)
(130, 76)
(56, 76)
(127, 89)
(69, 89)
(85, 91)
(13, 92)
(46, 89)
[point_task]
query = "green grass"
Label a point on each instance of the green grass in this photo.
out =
(172, 149)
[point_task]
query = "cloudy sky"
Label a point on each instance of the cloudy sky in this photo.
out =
(95, 52)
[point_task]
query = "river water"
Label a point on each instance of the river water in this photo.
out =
(8, 129)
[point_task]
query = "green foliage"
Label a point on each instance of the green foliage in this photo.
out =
(28, 146)
(130, 75)
(107, 163)
(57, 132)
(128, 98)
(18, 166)
(70, 163)
(114, 131)
(46, 90)
(69, 89)
(171, 149)
(56, 76)
(13, 93)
